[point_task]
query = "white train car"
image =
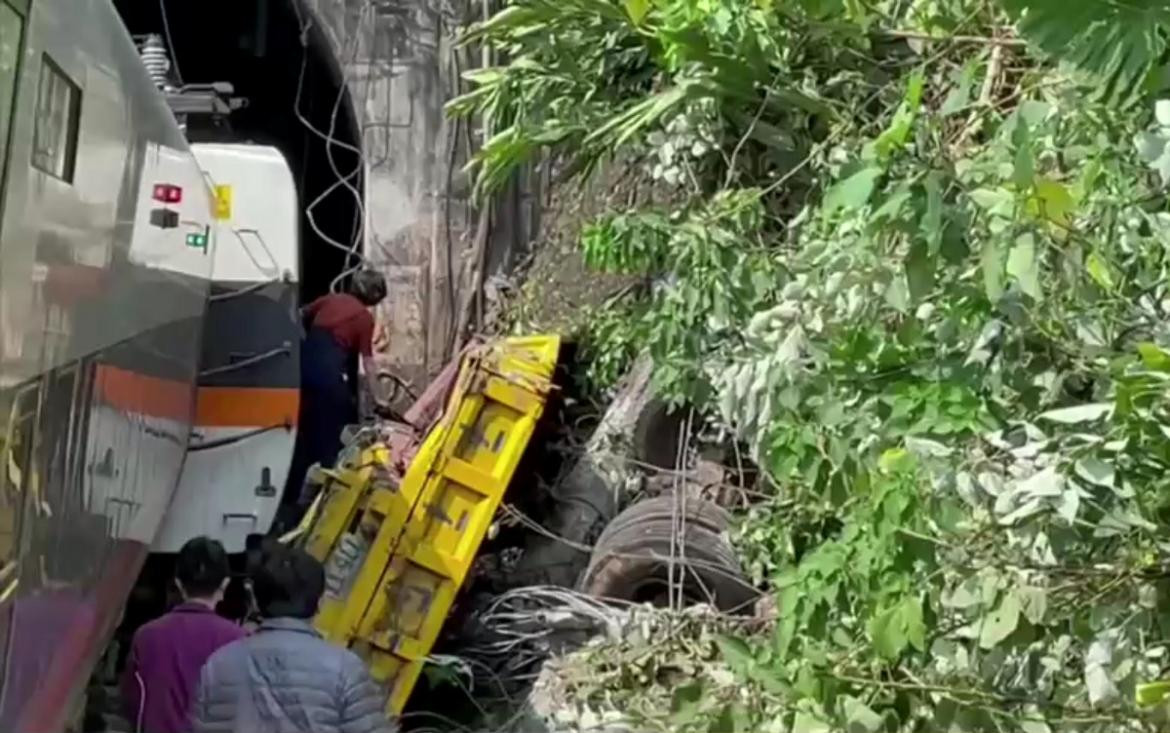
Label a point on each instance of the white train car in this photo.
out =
(107, 240)
(249, 382)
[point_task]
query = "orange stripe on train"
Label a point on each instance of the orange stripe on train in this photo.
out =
(226, 407)
(142, 394)
(247, 406)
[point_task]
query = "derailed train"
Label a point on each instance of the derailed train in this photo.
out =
(147, 322)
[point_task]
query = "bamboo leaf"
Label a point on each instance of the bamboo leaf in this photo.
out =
(637, 10)
(1119, 42)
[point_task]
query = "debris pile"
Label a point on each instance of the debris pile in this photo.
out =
(605, 667)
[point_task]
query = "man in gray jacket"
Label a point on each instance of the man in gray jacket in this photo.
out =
(285, 678)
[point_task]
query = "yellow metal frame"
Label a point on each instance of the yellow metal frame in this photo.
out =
(397, 549)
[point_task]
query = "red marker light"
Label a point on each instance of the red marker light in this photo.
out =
(167, 194)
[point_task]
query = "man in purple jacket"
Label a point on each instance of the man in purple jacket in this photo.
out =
(166, 655)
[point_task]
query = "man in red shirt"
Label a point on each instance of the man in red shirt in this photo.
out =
(347, 318)
(339, 334)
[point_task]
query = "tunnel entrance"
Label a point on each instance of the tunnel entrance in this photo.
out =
(297, 102)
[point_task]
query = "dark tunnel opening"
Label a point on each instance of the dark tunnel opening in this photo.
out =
(283, 65)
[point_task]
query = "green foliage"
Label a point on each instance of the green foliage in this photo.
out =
(937, 317)
(1120, 43)
(608, 346)
(716, 279)
(590, 77)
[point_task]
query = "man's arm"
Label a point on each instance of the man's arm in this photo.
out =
(132, 692)
(363, 704)
(368, 371)
(309, 312)
(200, 721)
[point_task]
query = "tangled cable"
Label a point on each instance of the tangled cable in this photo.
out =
(344, 180)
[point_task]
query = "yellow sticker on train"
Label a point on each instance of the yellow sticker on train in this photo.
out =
(223, 202)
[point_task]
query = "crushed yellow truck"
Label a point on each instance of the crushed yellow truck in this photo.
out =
(399, 521)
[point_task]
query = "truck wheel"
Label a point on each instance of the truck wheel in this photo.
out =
(631, 560)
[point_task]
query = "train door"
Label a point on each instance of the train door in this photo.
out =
(12, 22)
(18, 487)
(16, 479)
(72, 539)
(51, 546)
(13, 402)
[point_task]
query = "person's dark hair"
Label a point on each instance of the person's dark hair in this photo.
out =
(368, 286)
(287, 582)
(201, 567)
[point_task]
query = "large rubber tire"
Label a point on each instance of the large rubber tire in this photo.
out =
(631, 560)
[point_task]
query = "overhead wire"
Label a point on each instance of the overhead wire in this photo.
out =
(364, 260)
(166, 23)
(344, 180)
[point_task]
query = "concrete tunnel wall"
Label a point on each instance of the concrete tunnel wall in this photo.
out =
(398, 60)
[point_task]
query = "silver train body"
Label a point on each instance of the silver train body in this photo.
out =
(107, 232)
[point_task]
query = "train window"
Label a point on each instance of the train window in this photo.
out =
(22, 408)
(11, 28)
(58, 117)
